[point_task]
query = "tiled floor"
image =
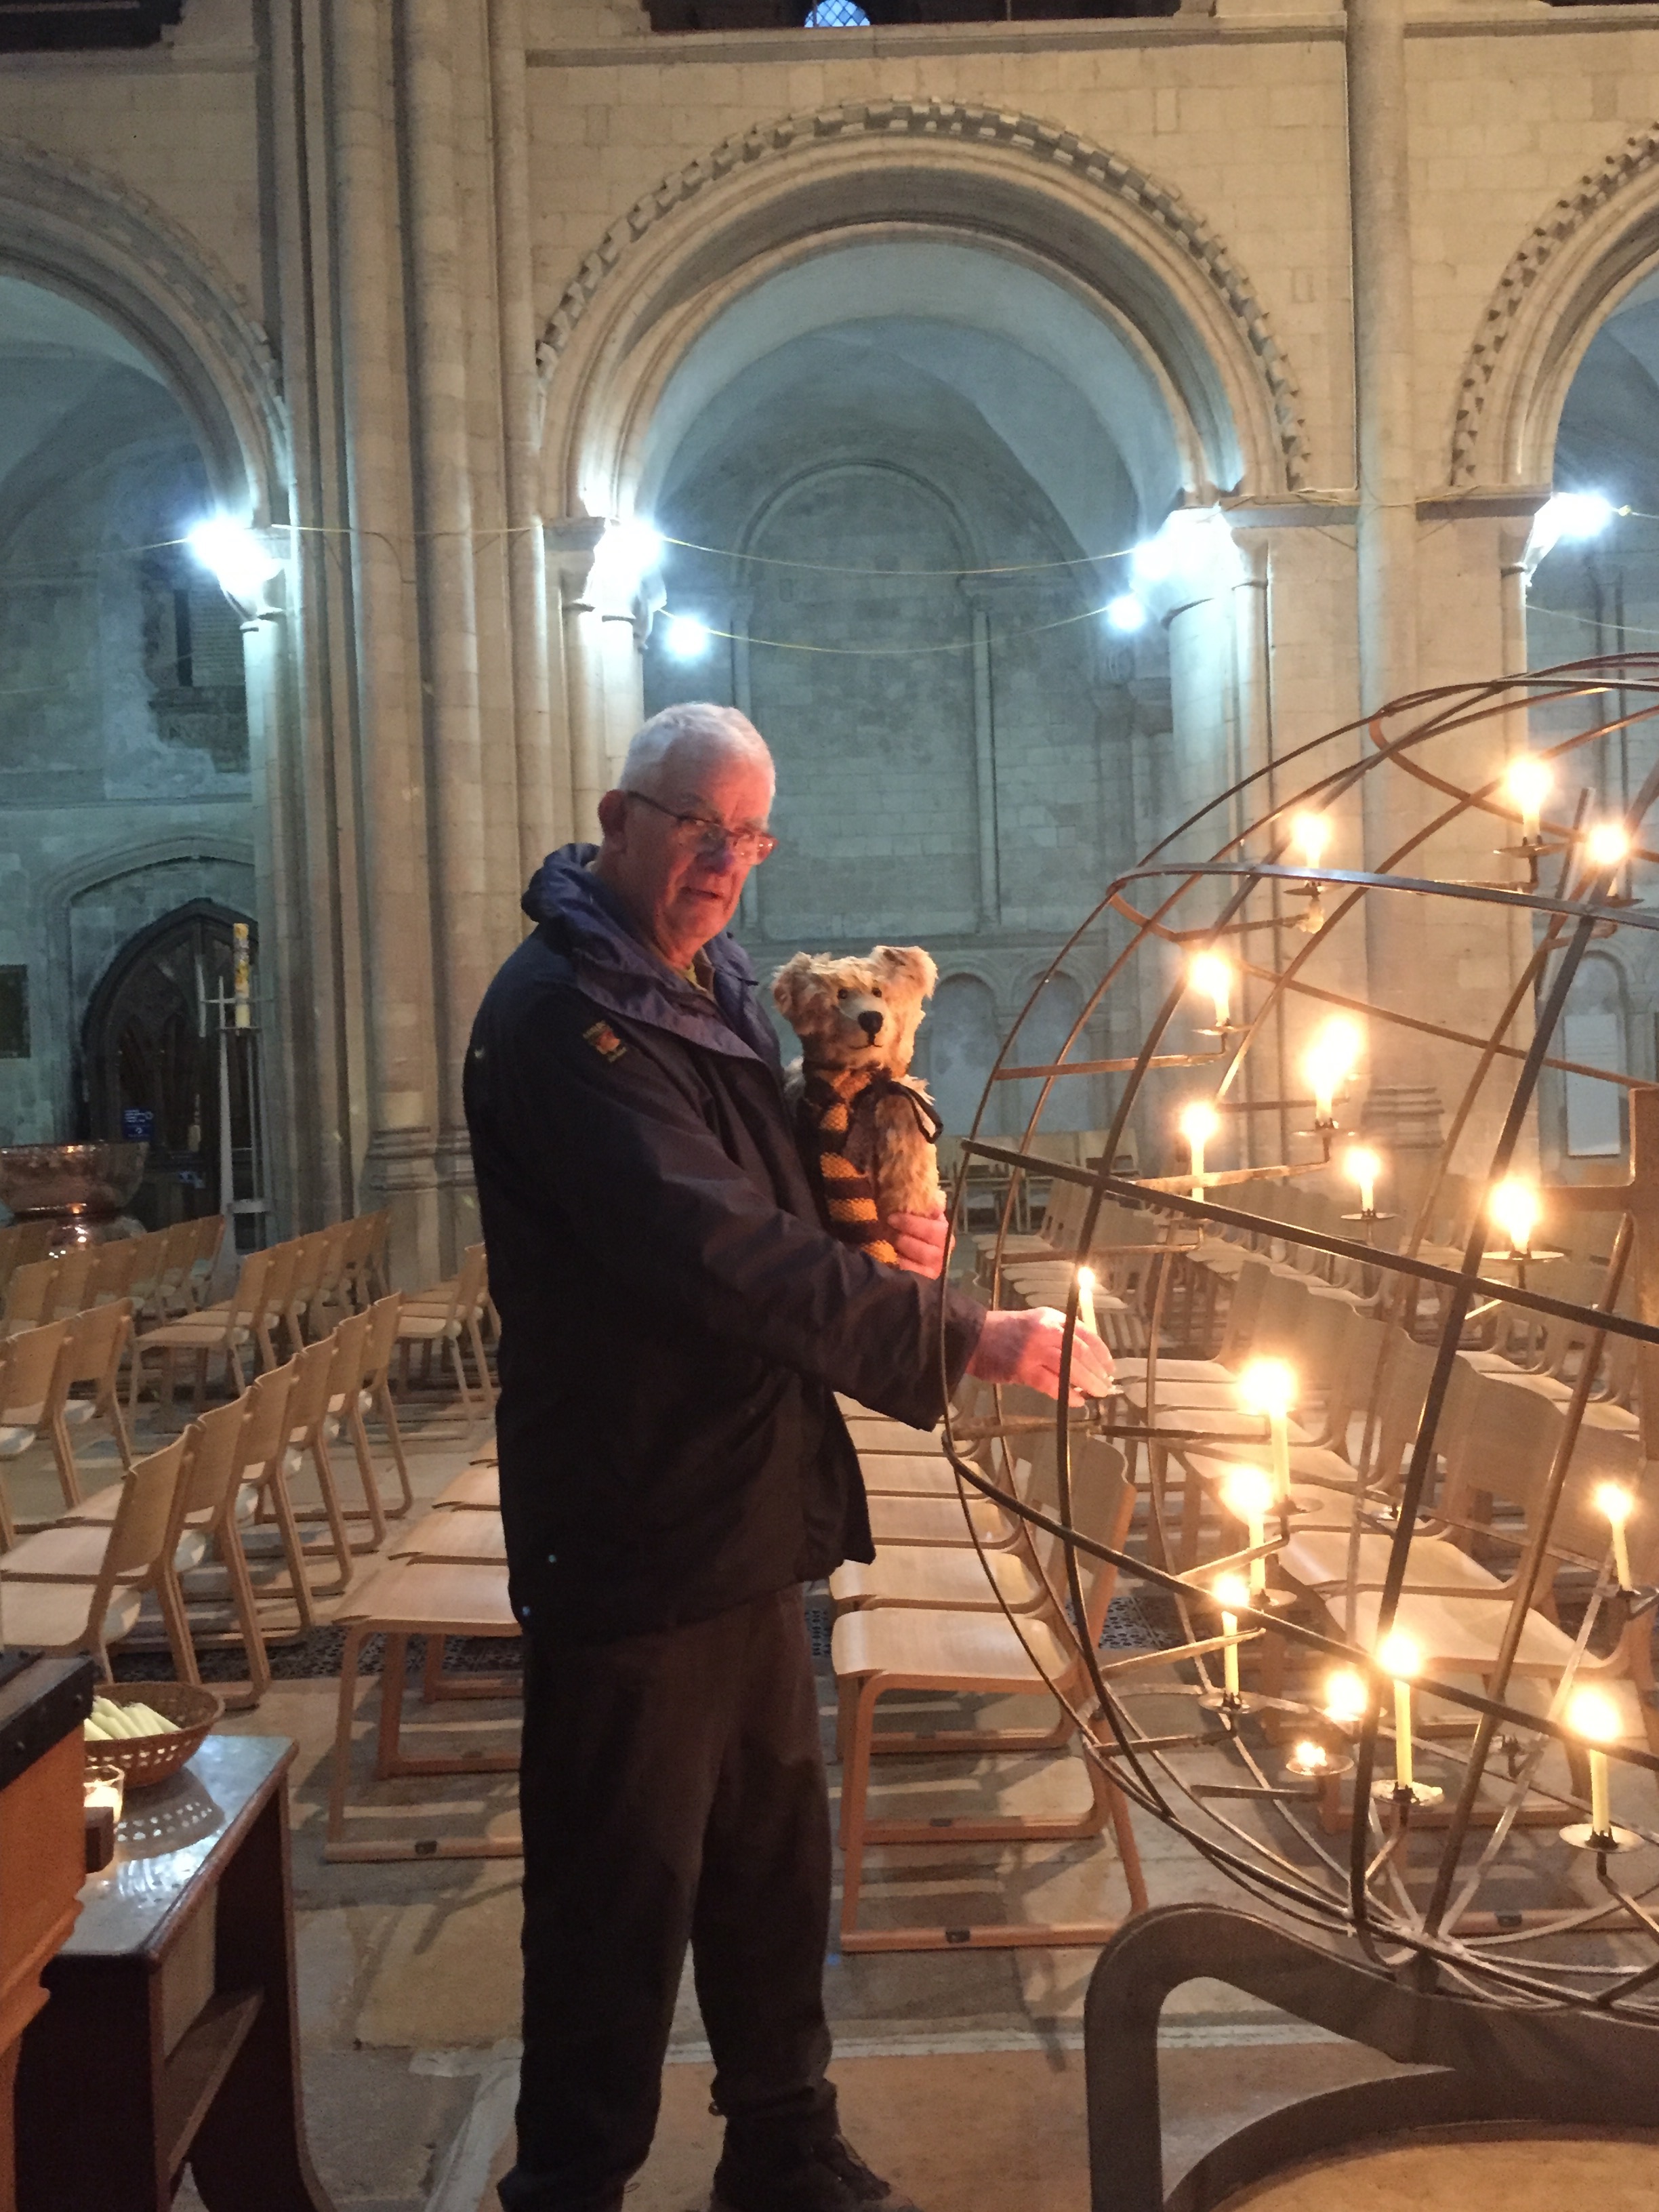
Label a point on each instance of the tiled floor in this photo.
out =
(960, 2071)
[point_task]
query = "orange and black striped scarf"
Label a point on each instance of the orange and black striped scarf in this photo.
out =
(827, 1113)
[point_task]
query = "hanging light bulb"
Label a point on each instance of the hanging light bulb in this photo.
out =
(239, 558)
(1126, 614)
(687, 639)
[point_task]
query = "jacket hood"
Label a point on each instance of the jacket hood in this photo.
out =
(575, 911)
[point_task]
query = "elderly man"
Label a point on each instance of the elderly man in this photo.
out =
(676, 1322)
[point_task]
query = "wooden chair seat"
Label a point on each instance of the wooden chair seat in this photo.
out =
(930, 1521)
(1318, 1559)
(18, 1434)
(951, 1580)
(944, 1651)
(906, 1475)
(874, 1433)
(1460, 1635)
(47, 1614)
(409, 1597)
(476, 1487)
(456, 1536)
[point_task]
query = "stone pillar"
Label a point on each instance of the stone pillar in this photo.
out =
(400, 1167)
(542, 778)
(569, 547)
(985, 771)
(439, 293)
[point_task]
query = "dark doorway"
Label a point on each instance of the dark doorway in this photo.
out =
(151, 1059)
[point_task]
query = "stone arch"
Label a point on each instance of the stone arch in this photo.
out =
(66, 227)
(1117, 238)
(1572, 269)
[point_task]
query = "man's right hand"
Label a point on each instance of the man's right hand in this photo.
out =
(1024, 1347)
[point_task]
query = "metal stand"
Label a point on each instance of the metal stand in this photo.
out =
(1550, 2066)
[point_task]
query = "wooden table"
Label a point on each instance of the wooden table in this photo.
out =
(42, 1852)
(171, 2036)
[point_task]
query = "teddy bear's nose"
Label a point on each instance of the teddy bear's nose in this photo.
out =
(871, 1024)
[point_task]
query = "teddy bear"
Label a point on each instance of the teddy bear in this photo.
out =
(863, 1118)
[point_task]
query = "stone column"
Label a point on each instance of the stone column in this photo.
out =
(439, 296)
(542, 810)
(985, 770)
(400, 1167)
(569, 547)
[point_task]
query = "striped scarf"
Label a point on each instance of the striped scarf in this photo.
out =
(850, 1194)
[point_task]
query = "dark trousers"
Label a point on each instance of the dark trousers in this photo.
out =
(672, 1791)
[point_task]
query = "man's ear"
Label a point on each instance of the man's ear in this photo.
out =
(907, 964)
(613, 813)
(789, 985)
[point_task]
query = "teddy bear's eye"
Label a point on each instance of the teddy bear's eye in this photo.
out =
(875, 995)
(843, 994)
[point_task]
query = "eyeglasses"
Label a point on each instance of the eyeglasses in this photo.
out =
(701, 833)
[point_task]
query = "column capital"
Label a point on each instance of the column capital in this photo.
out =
(570, 541)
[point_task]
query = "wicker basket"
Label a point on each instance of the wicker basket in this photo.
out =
(145, 1759)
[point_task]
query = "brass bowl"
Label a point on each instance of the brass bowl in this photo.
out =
(69, 1179)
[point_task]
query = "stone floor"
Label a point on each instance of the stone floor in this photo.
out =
(959, 2070)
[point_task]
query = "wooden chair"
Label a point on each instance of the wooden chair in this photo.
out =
(209, 1235)
(71, 1281)
(81, 1587)
(475, 1489)
(227, 1329)
(886, 1650)
(452, 1536)
(94, 1344)
(113, 1267)
(404, 1598)
(28, 1367)
(308, 1439)
(345, 1410)
(435, 1321)
(31, 1297)
(204, 1521)
(375, 1396)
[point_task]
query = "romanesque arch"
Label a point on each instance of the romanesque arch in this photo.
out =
(756, 205)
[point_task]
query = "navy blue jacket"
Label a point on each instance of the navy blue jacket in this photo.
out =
(676, 1317)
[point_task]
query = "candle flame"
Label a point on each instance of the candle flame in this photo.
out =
(1232, 1593)
(1399, 1654)
(1595, 1715)
(1361, 1165)
(1616, 1502)
(1247, 1492)
(1211, 972)
(1347, 1696)
(1528, 782)
(1310, 833)
(1309, 1757)
(1267, 1386)
(1199, 1121)
(1607, 846)
(1515, 1207)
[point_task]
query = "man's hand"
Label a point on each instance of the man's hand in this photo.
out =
(1024, 1347)
(922, 1242)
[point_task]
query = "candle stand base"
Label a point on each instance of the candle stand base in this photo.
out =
(1418, 1797)
(1477, 2064)
(1583, 1838)
(1218, 1701)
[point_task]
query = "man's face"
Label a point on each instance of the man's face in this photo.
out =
(681, 892)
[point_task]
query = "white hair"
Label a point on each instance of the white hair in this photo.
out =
(695, 726)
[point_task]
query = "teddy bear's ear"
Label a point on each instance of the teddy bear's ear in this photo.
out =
(909, 964)
(789, 985)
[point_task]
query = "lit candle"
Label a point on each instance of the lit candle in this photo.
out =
(244, 1002)
(1515, 1207)
(1308, 1759)
(1347, 1698)
(1593, 1715)
(1616, 1502)
(1246, 1494)
(1085, 1300)
(1210, 972)
(1331, 1057)
(1231, 1591)
(1310, 833)
(1398, 1655)
(1362, 1167)
(1528, 784)
(1608, 848)
(1198, 1123)
(1268, 1387)
(103, 1784)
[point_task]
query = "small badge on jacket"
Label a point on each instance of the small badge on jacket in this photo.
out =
(605, 1040)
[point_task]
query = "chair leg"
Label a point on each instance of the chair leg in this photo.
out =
(346, 1712)
(339, 1536)
(388, 1413)
(248, 1612)
(170, 1597)
(294, 1552)
(459, 1364)
(110, 1408)
(365, 1468)
(394, 1677)
(854, 1792)
(475, 1336)
(198, 1392)
(62, 1451)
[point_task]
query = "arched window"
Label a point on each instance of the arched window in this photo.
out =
(837, 16)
